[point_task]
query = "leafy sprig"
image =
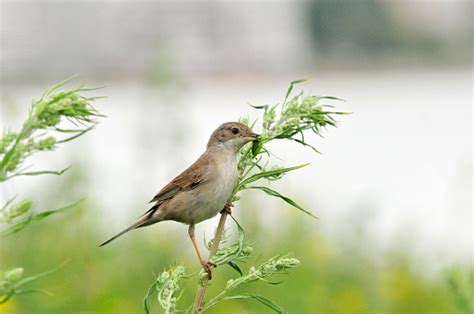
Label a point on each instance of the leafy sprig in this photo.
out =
(274, 266)
(59, 116)
(233, 253)
(58, 112)
(291, 120)
(168, 289)
(44, 122)
(21, 215)
(12, 282)
(167, 286)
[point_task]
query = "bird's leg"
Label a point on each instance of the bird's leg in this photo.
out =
(227, 208)
(205, 264)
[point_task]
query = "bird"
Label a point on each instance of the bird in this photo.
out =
(202, 190)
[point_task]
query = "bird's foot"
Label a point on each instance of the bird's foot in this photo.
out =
(208, 268)
(227, 208)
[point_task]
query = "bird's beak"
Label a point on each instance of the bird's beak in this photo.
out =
(252, 137)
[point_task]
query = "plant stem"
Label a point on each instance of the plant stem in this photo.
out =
(214, 301)
(215, 245)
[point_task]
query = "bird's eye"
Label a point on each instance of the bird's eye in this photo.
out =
(235, 130)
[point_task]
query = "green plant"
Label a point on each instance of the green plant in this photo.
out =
(57, 112)
(462, 288)
(290, 120)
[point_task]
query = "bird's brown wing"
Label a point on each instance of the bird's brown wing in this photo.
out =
(187, 180)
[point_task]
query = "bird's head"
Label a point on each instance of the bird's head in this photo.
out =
(231, 135)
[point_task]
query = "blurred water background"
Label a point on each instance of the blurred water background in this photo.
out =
(392, 187)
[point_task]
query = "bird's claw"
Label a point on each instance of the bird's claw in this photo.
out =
(227, 209)
(208, 268)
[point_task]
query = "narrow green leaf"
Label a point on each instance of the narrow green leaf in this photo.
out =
(269, 173)
(7, 203)
(26, 291)
(269, 303)
(40, 275)
(286, 199)
(67, 130)
(265, 301)
(82, 132)
(235, 267)
(290, 89)
(46, 213)
(16, 227)
(330, 97)
(35, 173)
(58, 85)
(305, 144)
(7, 297)
(221, 260)
(146, 299)
(256, 148)
(258, 107)
(36, 217)
(241, 234)
(8, 155)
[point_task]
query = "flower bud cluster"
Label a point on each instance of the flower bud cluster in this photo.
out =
(15, 211)
(26, 148)
(11, 275)
(273, 266)
(45, 115)
(168, 287)
(7, 279)
(232, 252)
(7, 139)
(49, 111)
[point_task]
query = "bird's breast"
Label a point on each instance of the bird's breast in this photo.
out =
(226, 179)
(218, 190)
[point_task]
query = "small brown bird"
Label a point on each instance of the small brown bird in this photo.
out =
(203, 190)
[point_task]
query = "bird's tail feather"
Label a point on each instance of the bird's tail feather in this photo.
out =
(140, 223)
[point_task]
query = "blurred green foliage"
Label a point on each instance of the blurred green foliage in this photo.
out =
(330, 278)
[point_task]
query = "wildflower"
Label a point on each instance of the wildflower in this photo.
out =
(14, 275)
(17, 210)
(45, 115)
(167, 284)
